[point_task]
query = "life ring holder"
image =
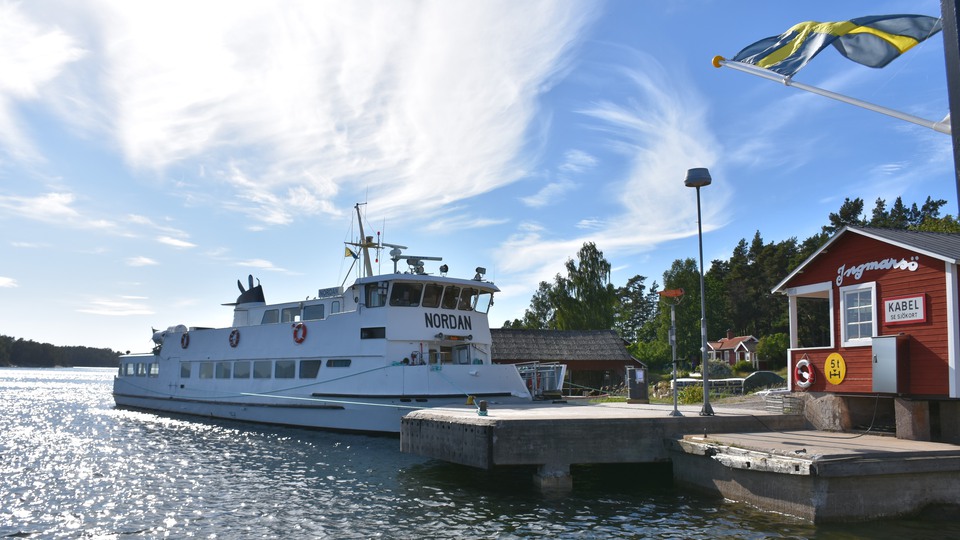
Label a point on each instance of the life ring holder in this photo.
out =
(185, 340)
(803, 373)
(299, 333)
(235, 337)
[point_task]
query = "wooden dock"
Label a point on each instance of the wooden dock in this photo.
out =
(760, 456)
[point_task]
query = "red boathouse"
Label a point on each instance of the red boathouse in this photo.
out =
(874, 336)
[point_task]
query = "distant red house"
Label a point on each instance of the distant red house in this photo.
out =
(733, 349)
(892, 340)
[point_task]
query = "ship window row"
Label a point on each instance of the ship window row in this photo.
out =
(139, 369)
(310, 312)
(429, 295)
(259, 369)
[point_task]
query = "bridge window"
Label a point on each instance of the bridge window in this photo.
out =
(431, 295)
(451, 297)
(468, 298)
(290, 314)
(184, 370)
(375, 294)
(313, 312)
(406, 294)
(270, 316)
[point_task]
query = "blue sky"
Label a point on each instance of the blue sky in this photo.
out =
(152, 153)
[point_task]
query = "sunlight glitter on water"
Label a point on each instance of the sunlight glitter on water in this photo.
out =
(71, 465)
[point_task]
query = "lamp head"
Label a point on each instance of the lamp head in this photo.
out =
(698, 177)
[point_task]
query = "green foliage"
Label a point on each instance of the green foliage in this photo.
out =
(584, 299)
(29, 353)
(743, 366)
(737, 292)
(656, 355)
(773, 349)
(719, 369)
(690, 395)
(636, 308)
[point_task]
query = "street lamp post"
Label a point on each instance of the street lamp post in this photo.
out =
(697, 178)
(677, 295)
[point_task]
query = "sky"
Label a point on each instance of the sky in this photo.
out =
(153, 153)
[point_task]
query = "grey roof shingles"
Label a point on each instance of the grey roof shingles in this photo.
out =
(557, 345)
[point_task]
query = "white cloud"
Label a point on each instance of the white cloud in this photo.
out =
(662, 131)
(578, 161)
(116, 308)
(175, 242)
(33, 55)
(51, 207)
(141, 261)
(6, 282)
(549, 193)
(292, 107)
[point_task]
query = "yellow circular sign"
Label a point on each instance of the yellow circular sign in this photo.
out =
(835, 368)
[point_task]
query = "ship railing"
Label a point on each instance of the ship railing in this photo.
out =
(544, 380)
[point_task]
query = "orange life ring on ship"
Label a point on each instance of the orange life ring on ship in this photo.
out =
(299, 332)
(235, 337)
(185, 340)
(803, 373)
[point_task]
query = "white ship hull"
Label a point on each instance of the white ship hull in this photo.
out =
(356, 358)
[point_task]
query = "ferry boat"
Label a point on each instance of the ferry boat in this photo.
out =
(354, 358)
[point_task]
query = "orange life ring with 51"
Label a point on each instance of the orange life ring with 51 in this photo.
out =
(185, 340)
(803, 373)
(299, 332)
(234, 337)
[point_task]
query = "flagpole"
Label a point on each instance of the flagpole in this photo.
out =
(942, 126)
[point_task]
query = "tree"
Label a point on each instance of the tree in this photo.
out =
(540, 314)
(683, 274)
(849, 214)
(636, 306)
(772, 348)
(582, 300)
(585, 299)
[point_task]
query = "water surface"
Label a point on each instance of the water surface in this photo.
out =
(74, 466)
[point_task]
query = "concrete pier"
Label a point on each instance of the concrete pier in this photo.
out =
(821, 476)
(554, 437)
(766, 458)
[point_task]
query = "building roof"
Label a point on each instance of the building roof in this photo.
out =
(510, 345)
(727, 344)
(943, 246)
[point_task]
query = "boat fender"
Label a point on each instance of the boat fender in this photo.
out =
(185, 340)
(803, 373)
(235, 337)
(299, 332)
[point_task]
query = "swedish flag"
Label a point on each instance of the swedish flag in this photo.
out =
(873, 41)
(349, 253)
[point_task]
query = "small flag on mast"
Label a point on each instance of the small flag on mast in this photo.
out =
(349, 253)
(873, 41)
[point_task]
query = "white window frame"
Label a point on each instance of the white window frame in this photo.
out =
(862, 341)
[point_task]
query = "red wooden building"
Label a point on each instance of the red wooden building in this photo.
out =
(874, 327)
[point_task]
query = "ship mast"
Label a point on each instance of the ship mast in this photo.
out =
(366, 242)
